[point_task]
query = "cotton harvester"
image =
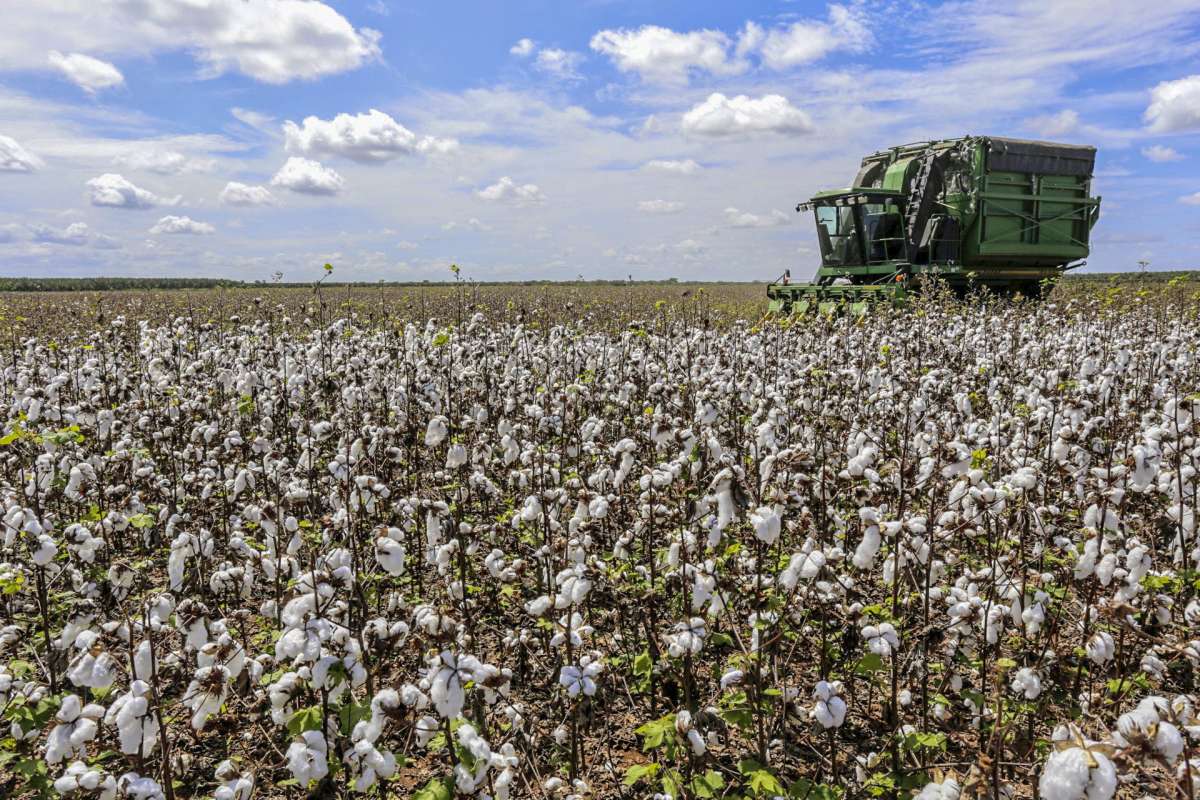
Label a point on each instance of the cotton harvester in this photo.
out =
(1008, 215)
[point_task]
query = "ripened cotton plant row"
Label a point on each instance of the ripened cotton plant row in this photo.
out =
(937, 553)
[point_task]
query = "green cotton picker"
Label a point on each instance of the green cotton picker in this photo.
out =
(1009, 215)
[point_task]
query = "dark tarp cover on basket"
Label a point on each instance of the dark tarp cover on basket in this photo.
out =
(1040, 158)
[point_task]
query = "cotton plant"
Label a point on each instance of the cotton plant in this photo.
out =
(444, 525)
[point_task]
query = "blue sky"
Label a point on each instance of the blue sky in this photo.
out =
(242, 138)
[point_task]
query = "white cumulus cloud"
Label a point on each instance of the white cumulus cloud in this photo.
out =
(741, 115)
(172, 224)
(307, 177)
(373, 137)
(15, 158)
(660, 206)
(1191, 199)
(1174, 106)
(661, 55)
(241, 194)
(523, 48)
(89, 74)
(111, 190)
(1161, 154)
(685, 166)
(273, 41)
(805, 41)
(506, 190)
(744, 219)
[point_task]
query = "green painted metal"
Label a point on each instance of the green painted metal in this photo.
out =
(978, 210)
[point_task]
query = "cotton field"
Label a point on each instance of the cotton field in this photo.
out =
(266, 550)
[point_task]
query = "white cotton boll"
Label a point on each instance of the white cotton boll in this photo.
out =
(306, 758)
(1153, 666)
(45, 551)
(1101, 647)
(946, 790)
(446, 685)
(426, 728)
(1104, 570)
(235, 784)
(868, 548)
(1070, 775)
(829, 710)
(1168, 741)
(456, 456)
(436, 431)
(538, 606)
(881, 639)
(697, 743)
(767, 524)
(732, 677)
(1026, 682)
(390, 554)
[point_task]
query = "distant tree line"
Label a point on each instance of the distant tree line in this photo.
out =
(109, 284)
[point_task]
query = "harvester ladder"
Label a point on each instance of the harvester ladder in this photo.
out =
(916, 192)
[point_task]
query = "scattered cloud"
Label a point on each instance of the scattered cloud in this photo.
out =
(720, 116)
(111, 190)
(164, 162)
(744, 219)
(241, 194)
(506, 190)
(1161, 154)
(1054, 125)
(660, 206)
(77, 234)
(561, 64)
(264, 123)
(1174, 106)
(373, 137)
(523, 48)
(15, 158)
(303, 176)
(805, 41)
(672, 167)
(1191, 199)
(406, 245)
(471, 224)
(172, 224)
(663, 56)
(90, 74)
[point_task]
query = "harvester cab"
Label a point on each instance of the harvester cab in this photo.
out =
(1004, 214)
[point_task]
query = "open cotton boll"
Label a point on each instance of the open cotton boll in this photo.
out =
(1026, 682)
(1101, 647)
(868, 547)
(436, 431)
(390, 554)
(1077, 774)
(829, 710)
(78, 779)
(767, 524)
(306, 758)
(945, 790)
(881, 639)
(235, 784)
(137, 725)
